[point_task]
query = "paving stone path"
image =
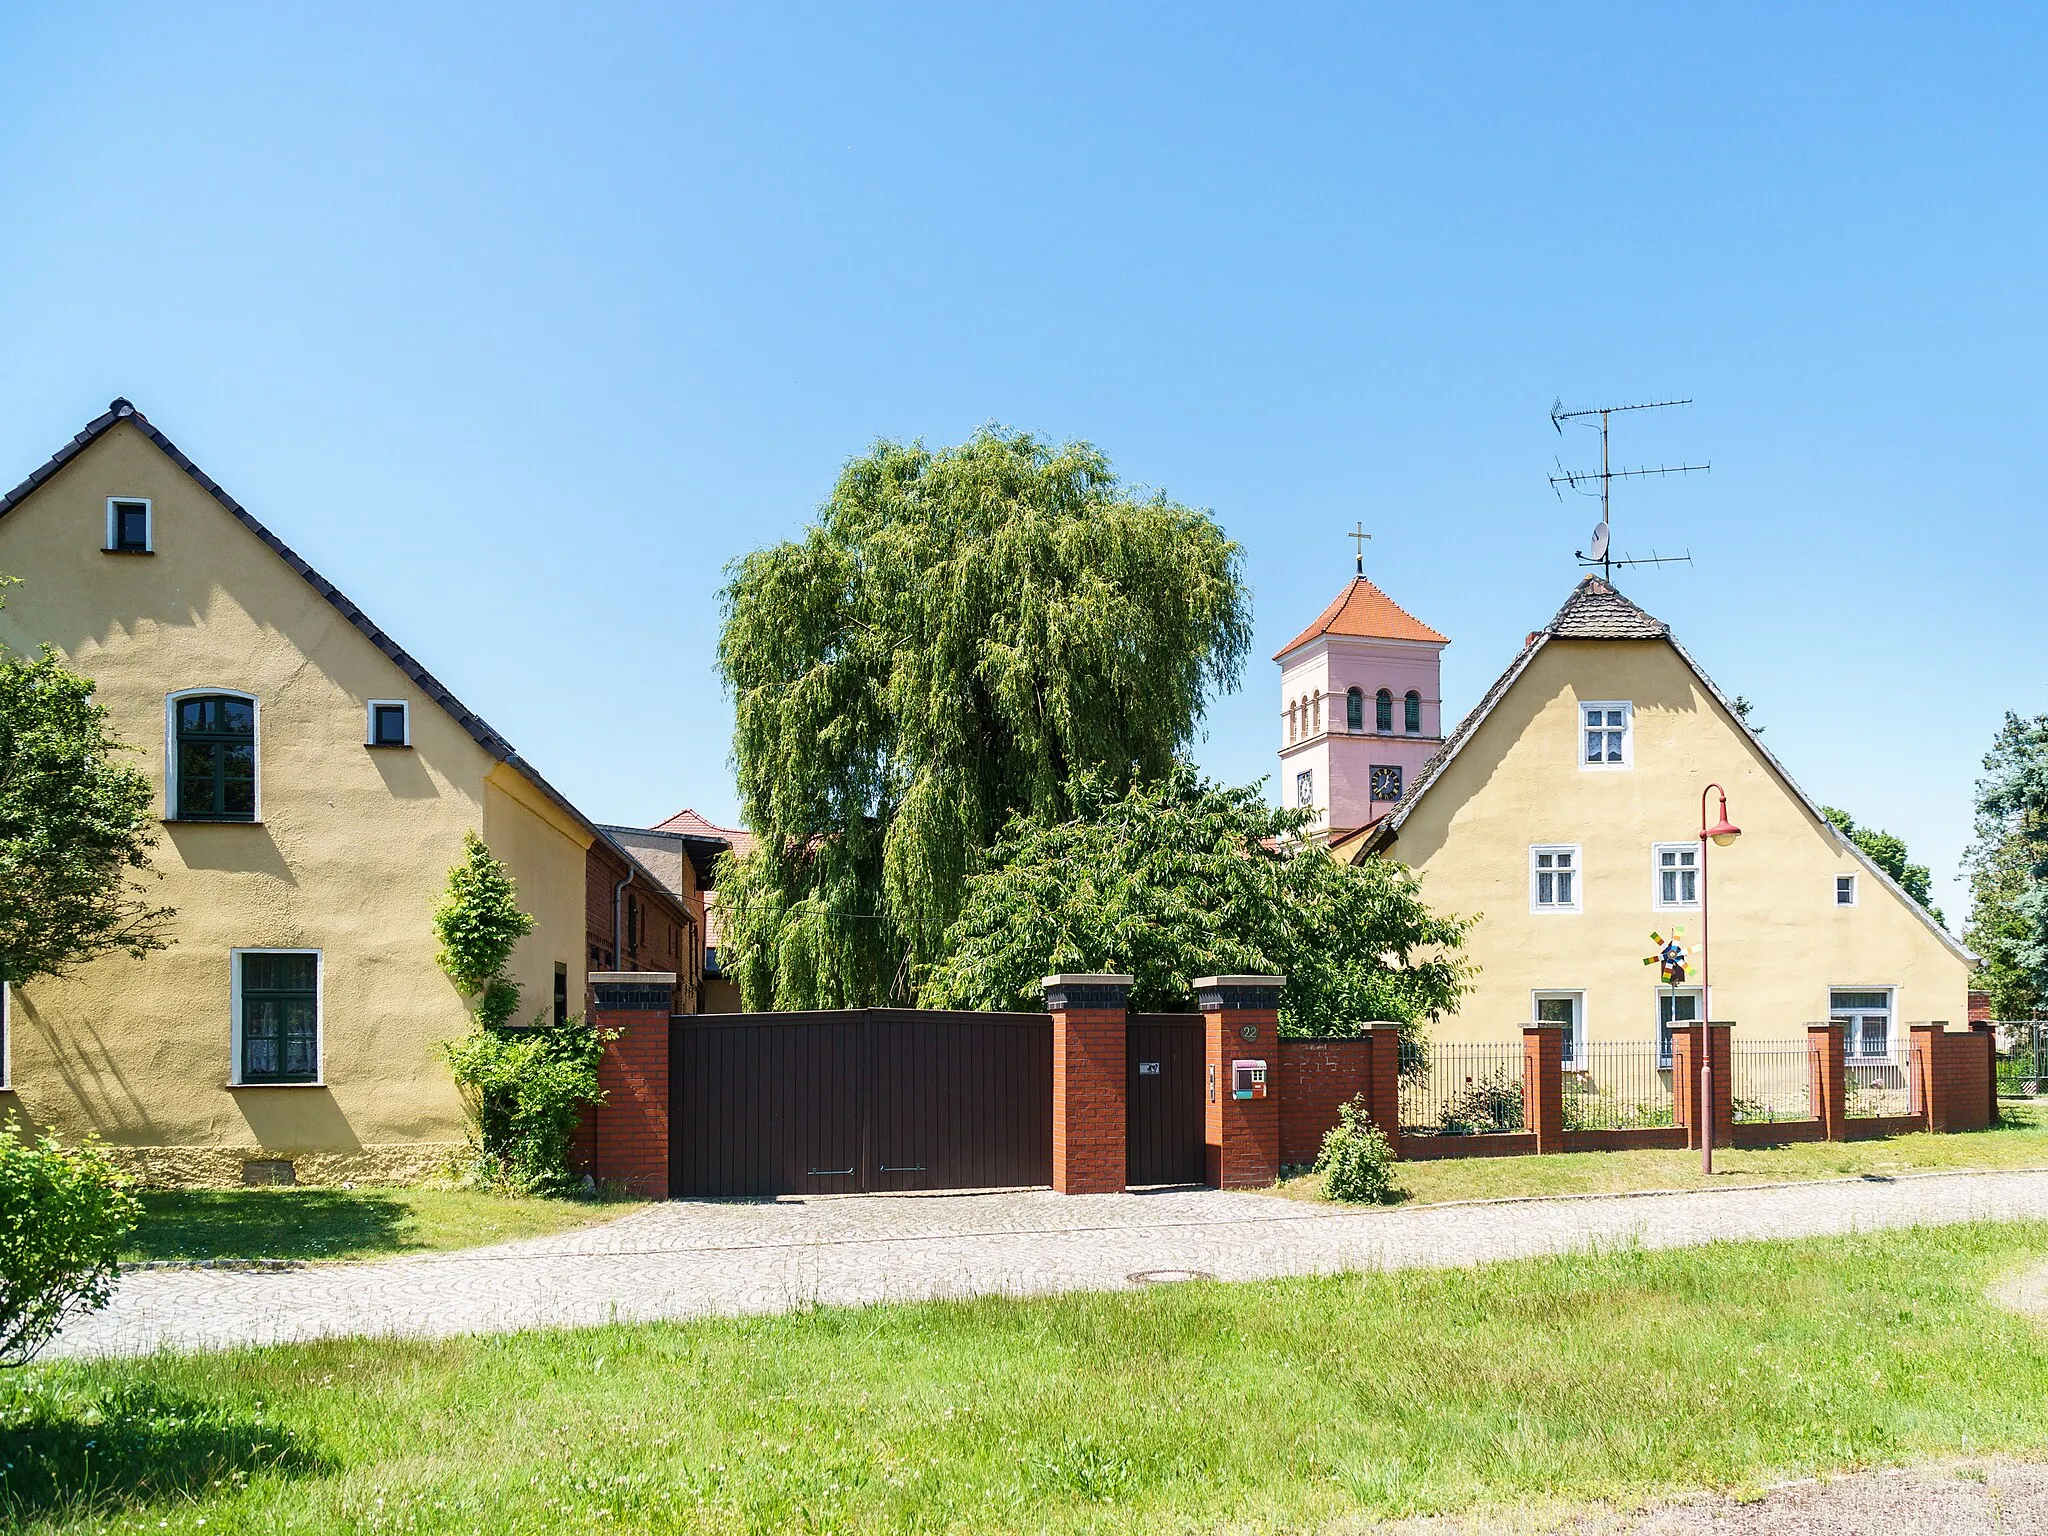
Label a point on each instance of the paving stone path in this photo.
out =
(691, 1259)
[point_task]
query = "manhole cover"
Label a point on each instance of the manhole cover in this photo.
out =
(1168, 1276)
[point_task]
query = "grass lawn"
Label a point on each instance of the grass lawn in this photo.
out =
(344, 1223)
(2021, 1142)
(1283, 1404)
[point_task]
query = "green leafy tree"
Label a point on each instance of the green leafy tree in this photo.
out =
(1888, 853)
(2008, 868)
(76, 826)
(1179, 878)
(960, 634)
(64, 1214)
(479, 924)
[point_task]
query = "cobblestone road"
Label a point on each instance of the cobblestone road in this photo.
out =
(689, 1259)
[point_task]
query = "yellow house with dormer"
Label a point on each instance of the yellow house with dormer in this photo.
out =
(315, 784)
(1564, 814)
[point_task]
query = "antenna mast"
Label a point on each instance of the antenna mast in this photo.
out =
(1602, 552)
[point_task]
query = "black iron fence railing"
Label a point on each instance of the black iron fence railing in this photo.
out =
(1461, 1088)
(1773, 1080)
(1617, 1086)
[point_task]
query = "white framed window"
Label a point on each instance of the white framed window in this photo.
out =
(390, 723)
(130, 526)
(1675, 1006)
(1568, 1009)
(1865, 1014)
(1305, 789)
(1675, 873)
(1845, 890)
(1607, 734)
(275, 997)
(211, 755)
(1554, 877)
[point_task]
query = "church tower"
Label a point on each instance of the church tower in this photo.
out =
(1361, 708)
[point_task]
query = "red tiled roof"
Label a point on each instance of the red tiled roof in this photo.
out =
(690, 824)
(1362, 609)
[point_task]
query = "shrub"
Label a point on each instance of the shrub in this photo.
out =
(525, 1089)
(64, 1213)
(479, 924)
(1357, 1160)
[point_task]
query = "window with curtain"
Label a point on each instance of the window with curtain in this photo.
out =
(1354, 710)
(1383, 711)
(280, 992)
(216, 758)
(1411, 713)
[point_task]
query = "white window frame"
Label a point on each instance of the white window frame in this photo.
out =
(1892, 1044)
(1628, 734)
(319, 1079)
(148, 523)
(1575, 1042)
(1855, 891)
(1657, 901)
(1665, 1053)
(171, 701)
(1577, 872)
(404, 706)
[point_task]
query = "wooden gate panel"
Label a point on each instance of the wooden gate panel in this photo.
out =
(1163, 1103)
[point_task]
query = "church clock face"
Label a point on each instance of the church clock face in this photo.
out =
(1386, 781)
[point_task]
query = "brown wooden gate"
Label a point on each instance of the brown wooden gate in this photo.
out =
(858, 1100)
(1163, 1121)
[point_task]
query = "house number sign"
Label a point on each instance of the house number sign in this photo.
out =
(1250, 1032)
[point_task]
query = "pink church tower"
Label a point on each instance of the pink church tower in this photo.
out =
(1361, 708)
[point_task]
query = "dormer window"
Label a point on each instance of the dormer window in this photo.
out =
(128, 530)
(1607, 735)
(1383, 711)
(390, 723)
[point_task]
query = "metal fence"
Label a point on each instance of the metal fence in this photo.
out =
(2022, 1058)
(1773, 1081)
(1876, 1088)
(1461, 1088)
(1617, 1086)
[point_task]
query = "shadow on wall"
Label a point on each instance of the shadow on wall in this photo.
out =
(72, 1453)
(243, 848)
(287, 1120)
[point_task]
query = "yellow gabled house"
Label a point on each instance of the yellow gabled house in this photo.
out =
(1564, 813)
(315, 785)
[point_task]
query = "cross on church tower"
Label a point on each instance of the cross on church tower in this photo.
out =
(1359, 538)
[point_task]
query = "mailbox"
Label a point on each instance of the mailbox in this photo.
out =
(1248, 1079)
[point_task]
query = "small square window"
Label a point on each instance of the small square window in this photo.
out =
(390, 723)
(1607, 729)
(1554, 878)
(1845, 890)
(128, 530)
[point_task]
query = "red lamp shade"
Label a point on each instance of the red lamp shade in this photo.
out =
(1724, 831)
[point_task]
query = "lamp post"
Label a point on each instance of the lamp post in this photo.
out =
(1721, 833)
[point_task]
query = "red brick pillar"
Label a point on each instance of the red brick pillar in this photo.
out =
(1828, 1080)
(1089, 1013)
(1928, 1100)
(1543, 1084)
(627, 1135)
(1685, 1082)
(1986, 1040)
(1241, 1031)
(1383, 1079)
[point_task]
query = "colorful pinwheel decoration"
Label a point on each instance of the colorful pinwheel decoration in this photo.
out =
(1670, 956)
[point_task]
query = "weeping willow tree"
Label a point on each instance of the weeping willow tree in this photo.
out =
(960, 636)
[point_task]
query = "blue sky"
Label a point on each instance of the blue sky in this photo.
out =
(521, 322)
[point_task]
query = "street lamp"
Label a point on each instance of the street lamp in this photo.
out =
(1720, 834)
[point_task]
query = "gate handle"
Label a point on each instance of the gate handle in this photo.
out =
(907, 1168)
(830, 1172)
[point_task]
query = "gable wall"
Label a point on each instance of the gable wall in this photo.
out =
(349, 857)
(1780, 941)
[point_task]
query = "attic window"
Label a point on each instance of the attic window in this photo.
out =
(390, 723)
(1845, 890)
(1607, 732)
(128, 530)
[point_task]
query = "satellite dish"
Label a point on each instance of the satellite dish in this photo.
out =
(1598, 550)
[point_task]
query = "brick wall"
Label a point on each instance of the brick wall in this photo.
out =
(1242, 1136)
(1958, 1087)
(1315, 1077)
(625, 1139)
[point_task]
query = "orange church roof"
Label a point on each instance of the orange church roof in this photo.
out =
(1362, 609)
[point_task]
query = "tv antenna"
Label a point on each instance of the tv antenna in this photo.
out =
(1359, 539)
(1599, 551)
